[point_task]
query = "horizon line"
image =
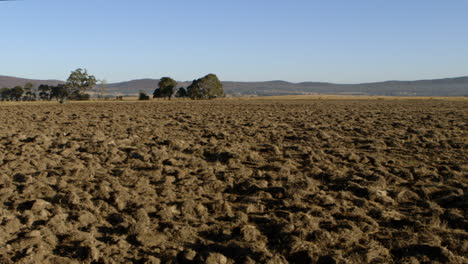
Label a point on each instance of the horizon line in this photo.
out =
(324, 82)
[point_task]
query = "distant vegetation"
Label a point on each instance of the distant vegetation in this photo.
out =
(181, 93)
(166, 87)
(77, 84)
(208, 87)
(143, 96)
(437, 87)
(13, 94)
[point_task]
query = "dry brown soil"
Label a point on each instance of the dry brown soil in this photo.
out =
(330, 181)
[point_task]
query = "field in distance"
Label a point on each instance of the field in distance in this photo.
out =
(266, 180)
(262, 98)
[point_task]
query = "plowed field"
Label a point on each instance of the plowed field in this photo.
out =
(325, 181)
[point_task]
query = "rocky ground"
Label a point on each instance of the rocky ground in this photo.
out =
(234, 182)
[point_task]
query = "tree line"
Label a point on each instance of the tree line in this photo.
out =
(207, 87)
(75, 87)
(79, 81)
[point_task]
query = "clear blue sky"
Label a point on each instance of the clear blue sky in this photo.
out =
(344, 41)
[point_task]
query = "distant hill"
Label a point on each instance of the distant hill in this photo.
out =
(7, 81)
(437, 87)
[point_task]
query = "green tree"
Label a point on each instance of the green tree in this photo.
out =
(158, 93)
(181, 93)
(79, 82)
(194, 91)
(44, 92)
(77, 96)
(59, 92)
(166, 87)
(29, 93)
(16, 93)
(212, 86)
(143, 96)
(5, 94)
(208, 87)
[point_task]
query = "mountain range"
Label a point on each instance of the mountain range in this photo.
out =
(436, 87)
(8, 81)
